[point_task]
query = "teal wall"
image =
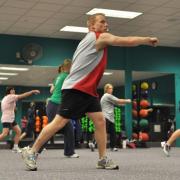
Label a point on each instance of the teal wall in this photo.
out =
(160, 59)
(142, 58)
(162, 95)
(54, 50)
(177, 100)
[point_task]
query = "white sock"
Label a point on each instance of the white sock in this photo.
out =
(15, 146)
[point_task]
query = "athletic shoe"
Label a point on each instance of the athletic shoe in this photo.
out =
(73, 156)
(16, 150)
(29, 159)
(166, 148)
(91, 146)
(114, 149)
(106, 163)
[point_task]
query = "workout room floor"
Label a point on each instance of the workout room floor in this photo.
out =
(135, 164)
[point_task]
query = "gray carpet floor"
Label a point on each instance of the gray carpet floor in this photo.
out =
(135, 164)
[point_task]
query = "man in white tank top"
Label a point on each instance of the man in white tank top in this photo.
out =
(79, 94)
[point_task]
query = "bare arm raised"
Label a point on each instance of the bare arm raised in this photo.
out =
(106, 39)
(123, 101)
(26, 94)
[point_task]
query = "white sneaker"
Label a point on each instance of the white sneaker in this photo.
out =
(29, 159)
(106, 163)
(73, 156)
(91, 146)
(16, 150)
(115, 149)
(166, 148)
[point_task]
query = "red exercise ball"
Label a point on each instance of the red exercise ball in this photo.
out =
(134, 113)
(144, 103)
(143, 136)
(143, 113)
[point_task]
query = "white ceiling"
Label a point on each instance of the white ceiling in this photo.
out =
(41, 76)
(44, 18)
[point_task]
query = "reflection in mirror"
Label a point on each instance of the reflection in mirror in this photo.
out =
(31, 76)
(153, 106)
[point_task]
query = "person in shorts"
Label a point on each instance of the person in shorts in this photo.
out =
(8, 105)
(79, 90)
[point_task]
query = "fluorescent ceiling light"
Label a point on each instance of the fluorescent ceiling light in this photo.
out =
(115, 13)
(107, 73)
(14, 69)
(3, 78)
(8, 74)
(75, 29)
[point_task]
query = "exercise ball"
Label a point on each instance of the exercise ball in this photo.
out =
(143, 113)
(144, 103)
(143, 123)
(134, 123)
(133, 87)
(134, 113)
(144, 85)
(143, 136)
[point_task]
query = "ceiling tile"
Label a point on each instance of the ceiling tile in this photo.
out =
(20, 4)
(47, 7)
(75, 10)
(164, 11)
(160, 17)
(31, 19)
(43, 27)
(57, 1)
(116, 5)
(86, 3)
(138, 8)
(172, 3)
(43, 31)
(9, 18)
(2, 1)
(39, 13)
(122, 1)
(66, 16)
(56, 22)
(19, 30)
(81, 21)
(12, 10)
(151, 2)
(25, 25)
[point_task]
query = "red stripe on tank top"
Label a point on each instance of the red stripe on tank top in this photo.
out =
(90, 82)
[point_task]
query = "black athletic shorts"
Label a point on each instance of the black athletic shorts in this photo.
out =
(9, 125)
(75, 104)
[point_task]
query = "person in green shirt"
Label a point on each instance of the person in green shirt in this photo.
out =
(53, 104)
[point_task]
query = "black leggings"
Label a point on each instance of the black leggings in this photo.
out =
(68, 130)
(112, 133)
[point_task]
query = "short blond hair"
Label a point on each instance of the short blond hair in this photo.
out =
(92, 19)
(67, 62)
(107, 86)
